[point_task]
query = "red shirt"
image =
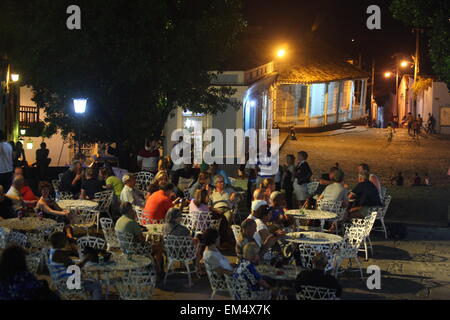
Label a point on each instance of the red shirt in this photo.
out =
(157, 206)
(28, 195)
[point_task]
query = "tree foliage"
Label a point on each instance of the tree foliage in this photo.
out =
(135, 61)
(434, 17)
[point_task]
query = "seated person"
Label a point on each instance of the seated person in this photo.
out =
(14, 194)
(214, 169)
(246, 269)
(317, 276)
(16, 282)
(59, 259)
(202, 182)
(366, 195)
(417, 182)
(127, 223)
(335, 191)
(6, 210)
(161, 179)
(111, 181)
(221, 199)
(248, 230)
(91, 185)
(130, 193)
(200, 201)
(212, 256)
(268, 186)
(159, 203)
(173, 224)
(261, 214)
(27, 194)
(50, 208)
(277, 207)
(71, 179)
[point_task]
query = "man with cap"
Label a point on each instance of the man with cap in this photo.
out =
(130, 193)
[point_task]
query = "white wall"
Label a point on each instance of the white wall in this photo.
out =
(441, 98)
(58, 150)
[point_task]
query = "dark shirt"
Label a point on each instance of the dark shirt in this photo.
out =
(367, 194)
(6, 211)
(66, 183)
(317, 278)
(303, 173)
(42, 156)
(23, 286)
(92, 186)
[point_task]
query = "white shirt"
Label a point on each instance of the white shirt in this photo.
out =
(132, 196)
(6, 158)
(260, 225)
(16, 204)
(216, 260)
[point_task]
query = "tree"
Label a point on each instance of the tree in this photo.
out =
(135, 61)
(434, 16)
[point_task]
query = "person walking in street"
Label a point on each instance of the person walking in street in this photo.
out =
(6, 162)
(420, 122)
(409, 121)
(415, 127)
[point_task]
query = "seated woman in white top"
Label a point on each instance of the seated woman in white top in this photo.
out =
(212, 256)
(261, 214)
(200, 201)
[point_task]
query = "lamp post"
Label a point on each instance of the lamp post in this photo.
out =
(79, 105)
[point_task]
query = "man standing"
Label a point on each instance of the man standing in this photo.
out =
(42, 160)
(6, 162)
(148, 158)
(409, 120)
(303, 174)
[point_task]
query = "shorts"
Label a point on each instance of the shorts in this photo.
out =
(300, 191)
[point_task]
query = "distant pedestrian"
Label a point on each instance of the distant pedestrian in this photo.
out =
(430, 124)
(417, 181)
(42, 160)
(6, 162)
(415, 127)
(409, 121)
(390, 132)
(426, 180)
(420, 121)
(397, 180)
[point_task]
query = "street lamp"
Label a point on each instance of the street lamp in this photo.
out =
(30, 144)
(79, 105)
(23, 132)
(14, 77)
(281, 53)
(388, 74)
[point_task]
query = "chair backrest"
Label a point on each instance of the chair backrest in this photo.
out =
(312, 187)
(104, 199)
(236, 230)
(137, 284)
(368, 221)
(108, 231)
(199, 221)
(129, 246)
(386, 201)
(142, 220)
(33, 261)
(329, 205)
(238, 288)
(56, 184)
(143, 180)
(17, 238)
(60, 176)
(84, 216)
(216, 280)
(383, 192)
(308, 252)
(3, 237)
(92, 242)
(316, 293)
(180, 248)
(60, 195)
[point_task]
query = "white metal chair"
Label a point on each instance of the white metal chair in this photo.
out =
(332, 206)
(316, 293)
(92, 242)
(353, 239)
(216, 280)
(131, 247)
(143, 221)
(239, 290)
(109, 233)
(56, 184)
(60, 284)
(104, 200)
(62, 195)
(308, 252)
(34, 261)
(182, 249)
(3, 237)
(236, 230)
(311, 187)
(84, 218)
(381, 214)
(137, 284)
(367, 223)
(39, 238)
(143, 180)
(198, 221)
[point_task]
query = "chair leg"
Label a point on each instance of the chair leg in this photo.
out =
(212, 294)
(370, 246)
(384, 227)
(186, 263)
(168, 270)
(360, 268)
(365, 249)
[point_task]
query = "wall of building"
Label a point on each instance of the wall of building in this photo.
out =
(59, 150)
(441, 98)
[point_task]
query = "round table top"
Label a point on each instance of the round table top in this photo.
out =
(287, 273)
(311, 214)
(66, 204)
(313, 238)
(26, 224)
(119, 263)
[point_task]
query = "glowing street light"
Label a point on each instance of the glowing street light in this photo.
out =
(404, 64)
(14, 77)
(388, 74)
(281, 53)
(79, 105)
(30, 144)
(23, 132)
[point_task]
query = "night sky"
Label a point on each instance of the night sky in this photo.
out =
(337, 22)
